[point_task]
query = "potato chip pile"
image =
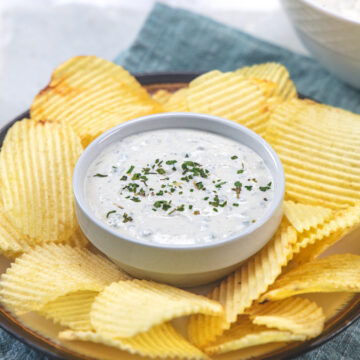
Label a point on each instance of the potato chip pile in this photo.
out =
(55, 274)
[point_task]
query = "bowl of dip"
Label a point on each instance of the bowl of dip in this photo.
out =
(330, 30)
(181, 198)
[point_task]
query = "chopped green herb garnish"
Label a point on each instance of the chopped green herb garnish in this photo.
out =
(158, 204)
(206, 198)
(190, 207)
(241, 170)
(160, 193)
(248, 187)
(136, 176)
(215, 209)
(110, 212)
(100, 175)
(127, 218)
(216, 202)
(267, 187)
(191, 190)
(135, 199)
(199, 185)
(219, 185)
(234, 157)
(146, 171)
(265, 199)
(132, 167)
(124, 178)
(237, 188)
(160, 171)
(235, 204)
(165, 205)
(131, 187)
(141, 192)
(187, 155)
(171, 162)
(180, 208)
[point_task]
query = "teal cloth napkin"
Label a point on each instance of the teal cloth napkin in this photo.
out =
(177, 40)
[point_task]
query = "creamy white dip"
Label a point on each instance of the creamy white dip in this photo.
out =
(178, 186)
(347, 8)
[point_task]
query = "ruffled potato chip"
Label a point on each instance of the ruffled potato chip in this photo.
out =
(71, 310)
(47, 272)
(12, 242)
(303, 217)
(245, 334)
(36, 165)
(92, 95)
(314, 242)
(162, 96)
(127, 308)
(162, 341)
(295, 314)
(177, 101)
(229, 96)
(238, 291)
(273, 73)
(318, 146)
(335, 273)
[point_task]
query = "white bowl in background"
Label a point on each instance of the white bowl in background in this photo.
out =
(333, 39)
(182, 265)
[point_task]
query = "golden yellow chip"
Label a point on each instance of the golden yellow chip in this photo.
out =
(36, 165)
(317, 240)
(92, 95)
(77, 239)
(303, 217)
(71, 310)
(12, 242)
(230, 96)
(245, 334)
(318, 146)
(297, 315)
(162, 341)
(129, 307)
(238, 291)
(336, 273)
(177, 102)
(44, 274)
(162, 96)
(275, 73)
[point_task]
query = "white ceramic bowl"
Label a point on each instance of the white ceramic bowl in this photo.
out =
(182, 265)
(333, 39)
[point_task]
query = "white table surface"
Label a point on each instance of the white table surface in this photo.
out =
(37, 35)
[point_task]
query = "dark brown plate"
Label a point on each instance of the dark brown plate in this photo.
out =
(342, 309)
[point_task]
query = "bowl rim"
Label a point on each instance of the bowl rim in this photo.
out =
(278, 173)
(330, 12)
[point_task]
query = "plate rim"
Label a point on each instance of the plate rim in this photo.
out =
(54, 351)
